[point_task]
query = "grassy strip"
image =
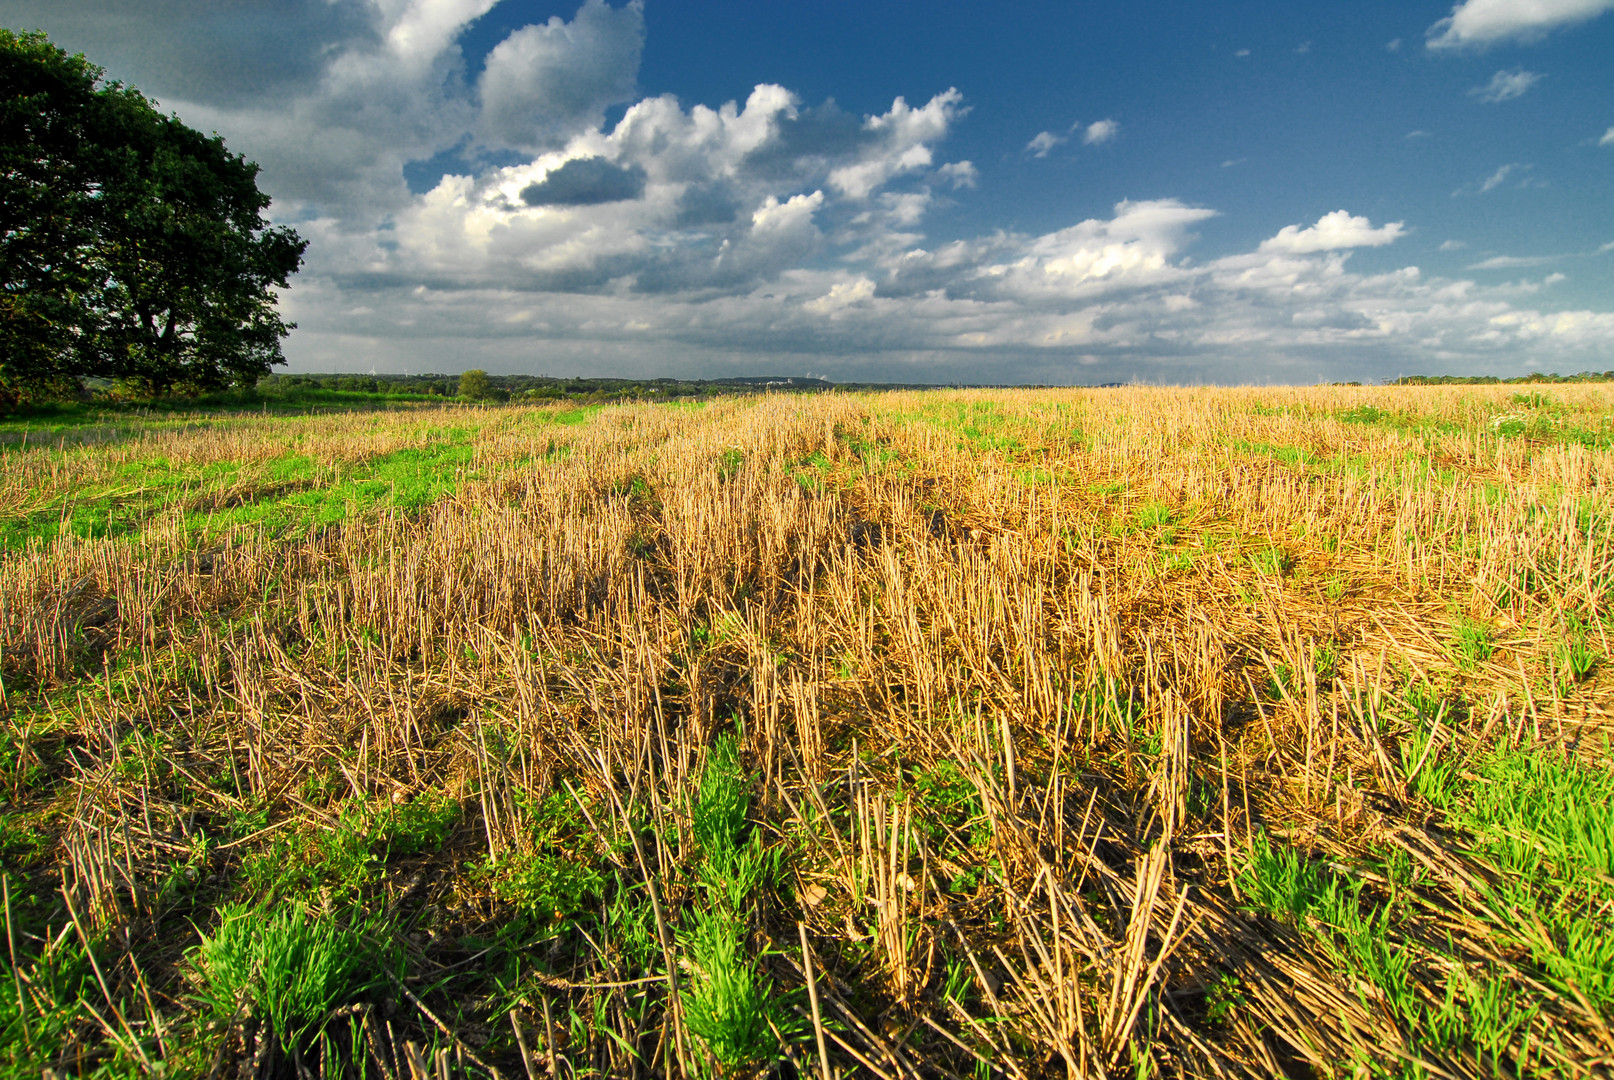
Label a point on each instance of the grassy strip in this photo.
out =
(1544, 825)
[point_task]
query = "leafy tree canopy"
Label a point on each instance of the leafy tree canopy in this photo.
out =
(131, 246)
(475, 384)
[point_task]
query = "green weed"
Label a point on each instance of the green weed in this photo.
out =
(345, 860)
(1176, 562)
(1365, 414)
(1224, 998)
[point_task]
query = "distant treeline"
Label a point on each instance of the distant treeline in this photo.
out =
(479, 385)
(1486, 380)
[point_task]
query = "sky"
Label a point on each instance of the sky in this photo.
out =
(1161, 191)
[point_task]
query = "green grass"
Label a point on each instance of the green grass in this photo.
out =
(560, 874)
(345, 860)
(1542, 824)
(1545, 823)
(981, 426)
(1273, 561)
(1361, 938)
(730, 1007)
(283, 494)
(1154, 515)
(949, 810)
(1576, 657)
(290, 969)
(42, 998)
(1471, 641)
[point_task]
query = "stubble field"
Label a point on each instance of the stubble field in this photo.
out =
(1030, 733)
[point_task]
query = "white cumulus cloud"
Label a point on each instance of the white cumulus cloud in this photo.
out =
(1332, 232)
(546, 82)
(898, 142)
(843, 295)
(1608, 137)
(962, 174)
(1042, 142)
(1100, 131)
(1136, 246)
(1506, 85)
(1478, 23)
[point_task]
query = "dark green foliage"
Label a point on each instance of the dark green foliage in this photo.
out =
(131, 246)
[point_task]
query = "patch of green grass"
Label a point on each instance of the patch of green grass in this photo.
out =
(1545, 821)
(284, 493)
(1273, 561)
(1366, 414)
(549, 884)
(1176, 562)
(1224, 998)
(345, 860)
(290, 969)
(1357, 936)
(981, 426)
(575, 415)
(1154, 515)
(1542, 823)
(1472, 641)
(1296, 456)
(22, 842)
(730, 1008)
(813, 471)
(1576, 657)
(59, 982)
(561, 874)
(1334, 588)
(949, 802)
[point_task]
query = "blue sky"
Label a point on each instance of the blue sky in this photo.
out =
(1032, 192)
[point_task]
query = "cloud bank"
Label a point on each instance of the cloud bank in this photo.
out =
(770, 233)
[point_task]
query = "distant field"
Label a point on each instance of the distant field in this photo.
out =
(959, 733)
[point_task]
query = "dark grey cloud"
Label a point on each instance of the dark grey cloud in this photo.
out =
(586, 182)
(707, 204)
(809, 142)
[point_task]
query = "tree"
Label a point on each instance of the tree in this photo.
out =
(475, 385)
(131, 246)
